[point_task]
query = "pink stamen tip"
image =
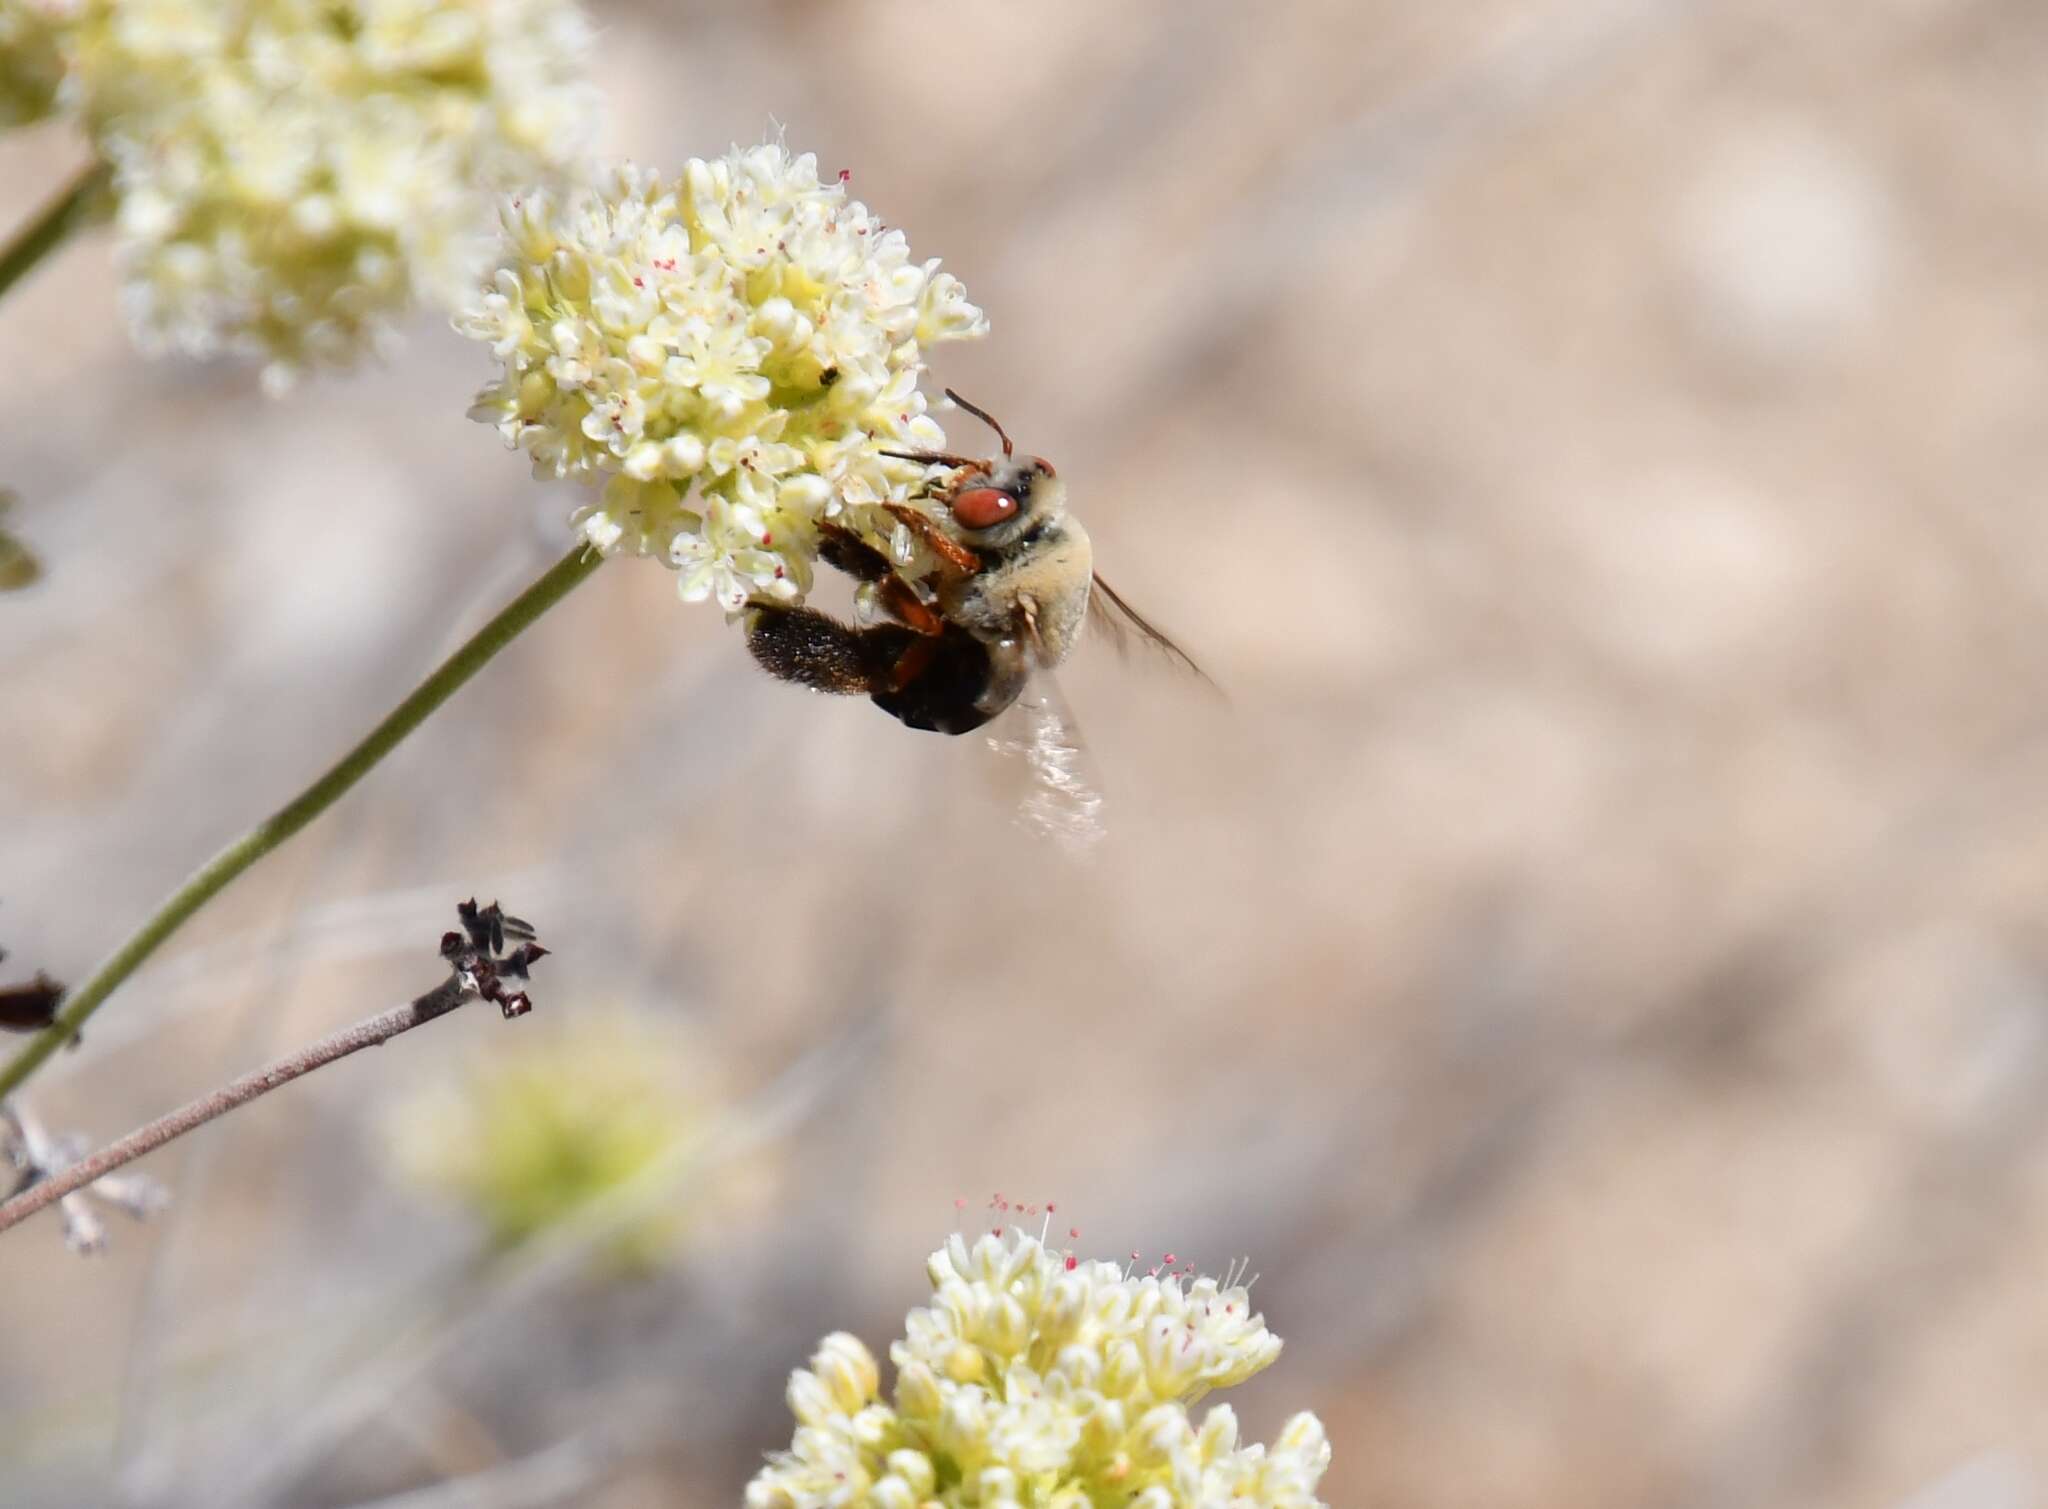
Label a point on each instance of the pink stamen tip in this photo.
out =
(1072, 1262)
(995, 1231)
(1073, 1231)
(1169, 1260)
(846, 175)
(1050, 1208)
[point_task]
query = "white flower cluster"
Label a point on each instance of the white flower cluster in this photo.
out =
(732, 349)
(292, 174)
(1033, 1379)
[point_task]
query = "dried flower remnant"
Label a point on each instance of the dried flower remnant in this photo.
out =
(1037, 1378)
(31, 1006)
(291, 175)
(731, 350)
(63, 1174)
(478, 958)
(34, 1155)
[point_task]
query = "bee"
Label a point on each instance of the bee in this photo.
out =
(1014, 584)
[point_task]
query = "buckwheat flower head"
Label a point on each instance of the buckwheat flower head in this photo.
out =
(530, 1134)
(292, 174)
(1035, 1379)
(729, 350)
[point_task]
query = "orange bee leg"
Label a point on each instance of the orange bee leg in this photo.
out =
(941, 544)
(846, 551)
(915, 660)
(910, 610)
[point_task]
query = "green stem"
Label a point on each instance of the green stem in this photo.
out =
(212, 878)
(77, 205)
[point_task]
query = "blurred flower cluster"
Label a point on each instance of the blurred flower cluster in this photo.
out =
(732, 349)
(290, 175)
(31, 66)
(1036, 1378)
(534, 1133)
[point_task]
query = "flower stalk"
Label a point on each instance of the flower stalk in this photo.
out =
(76, 205)
(214, 876)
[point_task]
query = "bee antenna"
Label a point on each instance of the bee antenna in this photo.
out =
(985, 417)
(943, 457)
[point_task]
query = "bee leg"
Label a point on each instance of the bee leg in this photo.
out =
(941, 684)
(903, 603)
(960, 557)
(843, 550)
(846, 551)
(814, 650)
(915, 661)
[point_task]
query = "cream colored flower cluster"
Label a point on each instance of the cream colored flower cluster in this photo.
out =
(732, 349)
(292, 174)
(1034, 1379)
(531, 1133)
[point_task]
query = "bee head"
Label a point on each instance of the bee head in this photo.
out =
(996, 505)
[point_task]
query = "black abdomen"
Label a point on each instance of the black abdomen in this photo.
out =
(948, 695)
(950, 683)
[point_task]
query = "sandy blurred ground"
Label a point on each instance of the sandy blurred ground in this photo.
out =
(1595, 961)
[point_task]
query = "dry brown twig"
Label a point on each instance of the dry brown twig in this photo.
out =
(478, 965)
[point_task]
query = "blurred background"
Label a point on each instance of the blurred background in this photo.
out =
(1594, 959)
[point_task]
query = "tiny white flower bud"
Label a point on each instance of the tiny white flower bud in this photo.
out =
(809, 1399)
(646, 353)
(848, 1370)
(892, 1493)
(917, 1392)
(915, 1468)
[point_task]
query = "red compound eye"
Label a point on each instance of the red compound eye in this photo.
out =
(983, 507)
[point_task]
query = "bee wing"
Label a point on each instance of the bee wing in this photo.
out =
(1037, 736)
(1119, 622)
